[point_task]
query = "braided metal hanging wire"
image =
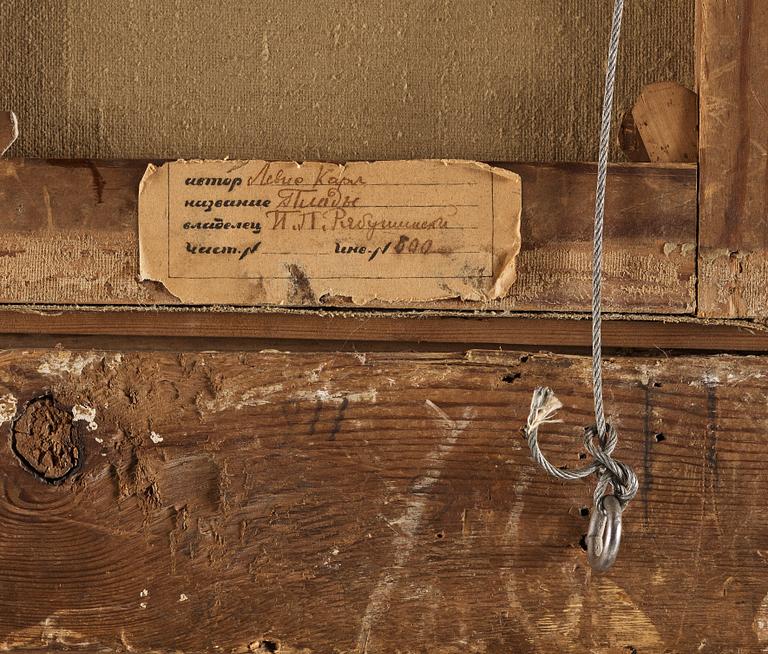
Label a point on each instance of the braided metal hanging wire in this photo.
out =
(599, 440)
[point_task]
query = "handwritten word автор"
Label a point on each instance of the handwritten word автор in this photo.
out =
(259, 232)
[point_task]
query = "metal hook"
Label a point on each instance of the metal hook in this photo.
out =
(604, 535)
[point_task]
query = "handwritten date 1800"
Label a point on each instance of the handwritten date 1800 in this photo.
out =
(404, 245)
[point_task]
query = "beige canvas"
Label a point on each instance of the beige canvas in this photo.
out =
(362, 79)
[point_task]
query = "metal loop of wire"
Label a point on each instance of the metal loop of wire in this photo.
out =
(600, 440)
(610, 472)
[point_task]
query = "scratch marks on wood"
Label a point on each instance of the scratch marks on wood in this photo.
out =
(226, 398)
(324, 395)
(407, 526)
(760, 623)
(628, 622)
(58, 363)
(48, 633)
(511, 535)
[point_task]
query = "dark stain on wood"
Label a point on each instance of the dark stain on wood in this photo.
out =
(711, 431)
(98, 182)
(315, 417)
(631, 141)
(647, 478)
(336, 428)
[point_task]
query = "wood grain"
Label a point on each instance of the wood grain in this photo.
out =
(273, 501)
(666, 118)
(202, 330)
(69, 236)
(733, 81)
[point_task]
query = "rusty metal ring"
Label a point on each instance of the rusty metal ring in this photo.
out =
(604, 535)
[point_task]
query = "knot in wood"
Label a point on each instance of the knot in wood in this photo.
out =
(46, 441)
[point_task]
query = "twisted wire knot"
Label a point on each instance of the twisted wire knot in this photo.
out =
(610, 472)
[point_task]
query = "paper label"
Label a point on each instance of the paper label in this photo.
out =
(258, 232)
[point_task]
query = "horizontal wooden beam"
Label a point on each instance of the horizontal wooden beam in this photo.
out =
(332, 502)
(348, 329)
(68, 235)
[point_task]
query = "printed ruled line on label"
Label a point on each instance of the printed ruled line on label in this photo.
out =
(412, 206)
(384, 184)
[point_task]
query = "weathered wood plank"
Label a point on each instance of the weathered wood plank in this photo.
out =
(234, 329)
(733, 80)
(69, 236)
(316, 503)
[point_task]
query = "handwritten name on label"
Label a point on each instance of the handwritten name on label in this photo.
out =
(258, 232)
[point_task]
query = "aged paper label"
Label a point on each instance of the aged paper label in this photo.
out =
(258, 232)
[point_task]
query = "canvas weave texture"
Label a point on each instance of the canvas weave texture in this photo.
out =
(493, 80)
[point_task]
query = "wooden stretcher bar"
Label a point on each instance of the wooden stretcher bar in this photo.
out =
(366, 328)
(733, 216)
(68, 233)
